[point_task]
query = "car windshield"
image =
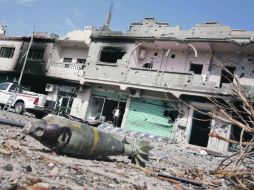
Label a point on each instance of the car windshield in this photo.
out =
(4, 86)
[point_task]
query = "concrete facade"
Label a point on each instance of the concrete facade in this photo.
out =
(154, 60)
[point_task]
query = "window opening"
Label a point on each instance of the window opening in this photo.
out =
(67, 60)
(81, 60)
(148, 65)
(196, 68)
(111, 55)
(201, 124)
(226, 77)
(7, 52)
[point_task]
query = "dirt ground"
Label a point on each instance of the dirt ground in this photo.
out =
(25, 164)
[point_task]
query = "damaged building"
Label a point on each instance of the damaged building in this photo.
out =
(53, 65)
(158, 75)
(152, 68)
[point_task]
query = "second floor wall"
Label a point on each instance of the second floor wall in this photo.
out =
(169, 65)
(9, 54)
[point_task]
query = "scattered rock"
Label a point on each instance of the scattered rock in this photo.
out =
(28, 168)
(203, 152)
(8, 167)
(53, 172)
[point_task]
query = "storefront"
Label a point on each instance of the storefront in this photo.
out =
(103, 104)
(151, 116)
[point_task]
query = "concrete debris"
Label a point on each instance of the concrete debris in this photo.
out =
(31, 167)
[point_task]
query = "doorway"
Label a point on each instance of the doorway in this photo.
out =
(102, 109)
(64, 105)
(201, 126)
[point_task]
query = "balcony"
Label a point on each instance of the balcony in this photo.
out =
(68, 71)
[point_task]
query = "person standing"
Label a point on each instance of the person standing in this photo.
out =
(116, 114)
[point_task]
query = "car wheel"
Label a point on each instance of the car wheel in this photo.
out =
(19, 107)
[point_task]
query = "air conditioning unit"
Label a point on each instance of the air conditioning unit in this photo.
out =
(50, 88)
(136, 93)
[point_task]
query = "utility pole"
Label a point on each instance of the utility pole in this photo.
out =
(24, 65)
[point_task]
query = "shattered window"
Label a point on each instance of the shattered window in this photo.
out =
(196, 68)
(111, 54)
(7, 52)
(226, 77)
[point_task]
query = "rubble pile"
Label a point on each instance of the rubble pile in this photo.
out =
(26, 164)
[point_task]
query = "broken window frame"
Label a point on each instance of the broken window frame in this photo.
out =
(7, 52)
(226, 78)
(195, 70)
(105, 58)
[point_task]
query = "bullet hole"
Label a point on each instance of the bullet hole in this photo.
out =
(155, 54)
(97, 69)
(173, 56)
(241, 75)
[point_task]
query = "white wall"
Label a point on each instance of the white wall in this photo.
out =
(9, 64)
(80, 104)
(74, 53)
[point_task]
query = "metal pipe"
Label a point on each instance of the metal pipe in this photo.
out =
(24, 65)
(12, 123)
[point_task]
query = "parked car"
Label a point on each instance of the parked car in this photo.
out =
(23, 99)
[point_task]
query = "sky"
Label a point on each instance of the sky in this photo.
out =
(61, 16)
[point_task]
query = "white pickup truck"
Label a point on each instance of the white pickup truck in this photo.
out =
(24, 100)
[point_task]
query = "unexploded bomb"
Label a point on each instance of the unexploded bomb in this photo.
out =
(76, 139)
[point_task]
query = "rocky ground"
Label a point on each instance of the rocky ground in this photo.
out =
(25, 164)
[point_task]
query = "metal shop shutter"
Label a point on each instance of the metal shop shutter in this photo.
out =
(148, 117)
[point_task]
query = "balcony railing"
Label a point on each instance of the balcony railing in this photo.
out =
(68, 71)
(72, 66)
